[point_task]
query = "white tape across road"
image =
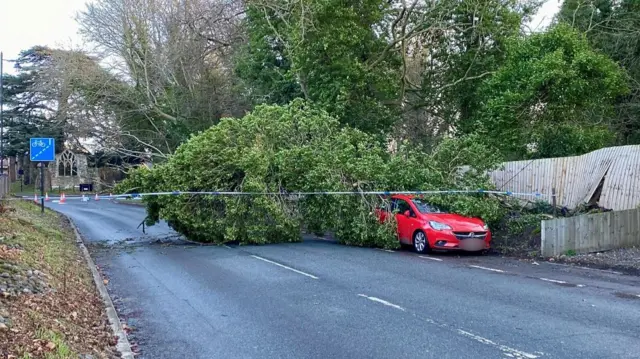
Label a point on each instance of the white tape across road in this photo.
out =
(299, 194)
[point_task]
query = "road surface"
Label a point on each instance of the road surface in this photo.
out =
(318, 299)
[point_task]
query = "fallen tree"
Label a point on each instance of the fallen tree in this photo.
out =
(282, 150)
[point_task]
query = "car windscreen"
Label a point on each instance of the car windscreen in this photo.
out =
(424, 207)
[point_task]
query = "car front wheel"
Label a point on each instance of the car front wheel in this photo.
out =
(420, 243)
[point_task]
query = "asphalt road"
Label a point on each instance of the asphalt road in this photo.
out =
(318, 299)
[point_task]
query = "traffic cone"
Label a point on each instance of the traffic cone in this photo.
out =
(35, 198)
(46, 197)
(97, 197)
(63, 199)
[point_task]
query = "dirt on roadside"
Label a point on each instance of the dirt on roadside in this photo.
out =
(526, 245)
(49, 305)
(625, 260)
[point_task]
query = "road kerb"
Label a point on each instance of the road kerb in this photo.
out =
(135, 204)
(123, 345)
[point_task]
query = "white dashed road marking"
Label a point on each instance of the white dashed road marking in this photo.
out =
(432, 258)
(508, 351)
(553, 281)
(382, 301)
(285, 267)
(489, 269)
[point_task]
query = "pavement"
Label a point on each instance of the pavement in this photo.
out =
(319, 299)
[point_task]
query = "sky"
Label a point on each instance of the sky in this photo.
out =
(26, 23)
(544, 15)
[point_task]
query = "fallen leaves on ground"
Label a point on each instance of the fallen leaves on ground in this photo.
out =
(64, 323)
(626, 260)
(8, 253)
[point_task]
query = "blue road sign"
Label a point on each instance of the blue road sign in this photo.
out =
(42, 149)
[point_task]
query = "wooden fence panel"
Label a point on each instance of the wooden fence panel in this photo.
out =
(591, 232)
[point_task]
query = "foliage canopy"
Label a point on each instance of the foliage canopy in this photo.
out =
(553, 93)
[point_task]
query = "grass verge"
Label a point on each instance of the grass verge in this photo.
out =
(49, 306)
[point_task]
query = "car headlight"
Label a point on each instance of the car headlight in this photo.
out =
(485, 227)
(438, 226)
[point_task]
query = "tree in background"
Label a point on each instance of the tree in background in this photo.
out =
(173, 62)
(28, 113)
(374, 64)
(553, 97)
(444, 69)
(67, 95)
(613, 28)
(331, 52)
(410, 70)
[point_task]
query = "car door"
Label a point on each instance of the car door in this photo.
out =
(405, 223)
(383, 212)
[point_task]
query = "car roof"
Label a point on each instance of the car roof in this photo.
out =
(403, 196)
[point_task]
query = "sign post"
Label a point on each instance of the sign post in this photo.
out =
(42, 150)
(21, 174)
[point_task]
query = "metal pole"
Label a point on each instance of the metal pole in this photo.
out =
(42, 187)
(1, 120)
(553, 201)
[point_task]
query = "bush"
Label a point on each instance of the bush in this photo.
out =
(297, 148)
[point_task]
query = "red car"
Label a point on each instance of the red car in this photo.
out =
(426, 227)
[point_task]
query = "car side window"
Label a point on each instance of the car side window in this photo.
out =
(392, 206)
(402, 206)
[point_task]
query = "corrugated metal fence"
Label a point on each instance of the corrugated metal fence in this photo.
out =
(591, 232)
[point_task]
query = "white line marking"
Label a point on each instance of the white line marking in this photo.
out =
(381, 301)
(638, 295)
(580, 285)
(433, 259)
(490, 269)
(226, 246)
(508, 351)
(285, 267)
(553, 280)
(386, 250)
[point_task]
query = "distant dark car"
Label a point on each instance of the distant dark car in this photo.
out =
(132, 195)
